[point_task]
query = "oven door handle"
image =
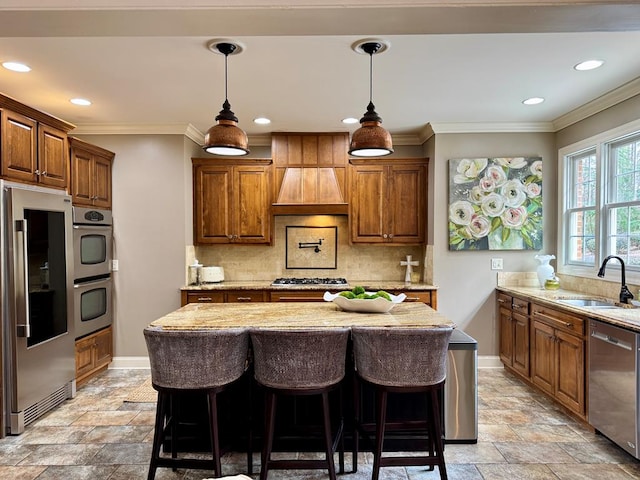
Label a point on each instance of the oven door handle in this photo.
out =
(92, 282)
(23, 326)
(92, 227)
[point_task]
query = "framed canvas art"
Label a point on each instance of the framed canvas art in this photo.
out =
(495, 203)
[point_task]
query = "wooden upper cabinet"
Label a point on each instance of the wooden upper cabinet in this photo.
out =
(33, 145)
(33, 152)
(231, 201)
(90, 174)
(53, 157)
(388, 201)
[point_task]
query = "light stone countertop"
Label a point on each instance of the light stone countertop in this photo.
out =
(266, 285)
(626, 317)
(296, 315)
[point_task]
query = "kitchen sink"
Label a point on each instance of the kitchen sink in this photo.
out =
(587, 302)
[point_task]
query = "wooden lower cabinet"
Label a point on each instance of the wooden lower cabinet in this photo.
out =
(558, 351)
(428, 297)
(222, 296)
(289, 296)
(199, 296)
(93, 354)
(513, 316)
(546, 347)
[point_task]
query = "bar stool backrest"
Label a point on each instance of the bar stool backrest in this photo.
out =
(196, 359)
(401, 357)
(299, 359)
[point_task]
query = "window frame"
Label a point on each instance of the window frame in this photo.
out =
(599, 144)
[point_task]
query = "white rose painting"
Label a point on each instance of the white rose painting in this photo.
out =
(495, 203)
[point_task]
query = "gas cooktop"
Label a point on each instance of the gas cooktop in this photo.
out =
(310, 281)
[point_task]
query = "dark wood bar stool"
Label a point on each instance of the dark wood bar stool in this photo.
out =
(402, 360)
(192, 361)
(300, 362)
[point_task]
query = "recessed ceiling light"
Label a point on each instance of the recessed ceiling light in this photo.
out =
(350, 120)
(16, 67)
(80, 101)
(588, 65)
(262, 121)
(533, 101)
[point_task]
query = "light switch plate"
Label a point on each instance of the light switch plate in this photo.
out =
(114, 265)
(496, 264)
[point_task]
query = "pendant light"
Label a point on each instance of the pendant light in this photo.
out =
(371, 139)
(226, 138)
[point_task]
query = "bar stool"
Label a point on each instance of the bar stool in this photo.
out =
(190, 361)
(300, 362)
(402, 360)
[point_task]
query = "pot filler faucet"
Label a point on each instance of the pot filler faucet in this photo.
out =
(625, 294)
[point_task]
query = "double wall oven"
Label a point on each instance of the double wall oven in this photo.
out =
(92, 285)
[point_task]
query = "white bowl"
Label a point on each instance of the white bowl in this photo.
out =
(363, 305)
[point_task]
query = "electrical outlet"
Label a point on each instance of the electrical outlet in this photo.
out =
(114, 265)
(496, 264)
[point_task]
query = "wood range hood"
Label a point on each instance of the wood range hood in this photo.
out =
(310, 173)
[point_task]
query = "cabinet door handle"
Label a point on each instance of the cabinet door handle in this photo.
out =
(500, 300)
(243, 299)
(554, 320)
(44, 174)
(517, 306)
(205, 299)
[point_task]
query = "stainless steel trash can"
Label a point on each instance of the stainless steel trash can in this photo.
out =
(461, 390)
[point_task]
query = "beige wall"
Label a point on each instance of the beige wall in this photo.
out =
(465, 278)
(151, 211)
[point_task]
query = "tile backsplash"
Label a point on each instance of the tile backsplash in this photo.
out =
(590, 286)
(354, 262)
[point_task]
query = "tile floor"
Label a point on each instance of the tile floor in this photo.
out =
(522, 435)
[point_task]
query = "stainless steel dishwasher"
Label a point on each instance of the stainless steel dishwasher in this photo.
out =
(613, 386)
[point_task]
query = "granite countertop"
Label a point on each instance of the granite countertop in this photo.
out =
(266, 285)
(296, 315)
(626, 317)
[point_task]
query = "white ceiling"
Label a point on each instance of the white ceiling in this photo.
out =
(147, 69)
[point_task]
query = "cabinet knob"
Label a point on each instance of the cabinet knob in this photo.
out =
(44, 174)
(391, 235)
(230, 237)
(384, 235)
(37, 173)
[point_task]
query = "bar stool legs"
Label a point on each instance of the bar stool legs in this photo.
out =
(330, 445)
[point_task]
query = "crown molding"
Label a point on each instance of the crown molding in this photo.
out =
(488, 127)
(620, 94)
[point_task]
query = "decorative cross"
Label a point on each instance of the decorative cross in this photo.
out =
(409, 264)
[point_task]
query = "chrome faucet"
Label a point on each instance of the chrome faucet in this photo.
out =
(625, 294)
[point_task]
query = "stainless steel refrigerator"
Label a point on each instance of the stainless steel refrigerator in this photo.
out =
(36, 280)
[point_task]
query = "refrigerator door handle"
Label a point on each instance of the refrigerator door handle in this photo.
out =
(23, 327)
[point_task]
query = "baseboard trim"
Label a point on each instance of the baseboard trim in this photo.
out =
(130, 363)
(489, 361)
(484, 361)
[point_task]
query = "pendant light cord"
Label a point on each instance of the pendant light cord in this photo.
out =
(226, 95)
(370, 77)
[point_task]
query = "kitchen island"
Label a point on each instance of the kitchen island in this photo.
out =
(245, 400)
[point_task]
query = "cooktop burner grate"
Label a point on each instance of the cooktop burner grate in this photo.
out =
(310, 281)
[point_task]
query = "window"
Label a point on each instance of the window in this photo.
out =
(600, 214)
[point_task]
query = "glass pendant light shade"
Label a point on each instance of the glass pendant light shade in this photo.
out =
(371, 139)
(226, 138)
